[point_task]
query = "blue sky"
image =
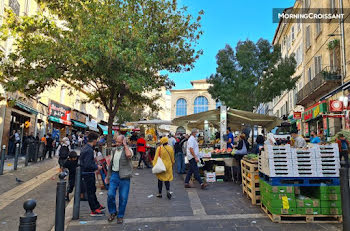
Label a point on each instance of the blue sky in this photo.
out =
(227, 22)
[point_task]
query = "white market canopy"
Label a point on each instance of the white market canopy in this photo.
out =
(152, 122)
(235, 119)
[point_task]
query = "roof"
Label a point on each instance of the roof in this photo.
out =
(235, 119)
(199, 81)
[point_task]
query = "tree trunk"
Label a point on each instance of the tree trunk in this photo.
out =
(110, 125)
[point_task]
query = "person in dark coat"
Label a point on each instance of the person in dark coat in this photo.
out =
(71, 164)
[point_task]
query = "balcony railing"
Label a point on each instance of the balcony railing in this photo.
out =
(328, 79)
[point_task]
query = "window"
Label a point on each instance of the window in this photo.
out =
(15, 6)
(77, 102)
(318, 64)
(307, 4)
(293, 36)
(218, 103)
(299, 24)
(299, 55)
(294, 97)
(318, 24)
(309, 74)
(200, 104)
(333, 60)
(181, 107)
(300, 85)
(63, 94)
(100, 114)
(83, 107)
(26, 7)
(291, 99)
(332, 6)
(308, 34)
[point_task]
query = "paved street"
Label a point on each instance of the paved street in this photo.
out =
(221, 207)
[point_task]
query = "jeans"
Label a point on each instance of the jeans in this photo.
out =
(160, 186)
(90, 182)
(124, 186)
(180, 162)
(143, 158)
(193, 169)
(344, 154)
(11, 149)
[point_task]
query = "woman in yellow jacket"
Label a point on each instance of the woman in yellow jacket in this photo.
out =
(166, 153)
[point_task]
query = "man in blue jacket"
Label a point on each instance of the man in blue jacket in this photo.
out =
(88, 168)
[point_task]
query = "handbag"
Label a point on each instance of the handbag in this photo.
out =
(243, 151)
(159, 167)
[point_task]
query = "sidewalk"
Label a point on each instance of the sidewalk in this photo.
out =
(221, 207)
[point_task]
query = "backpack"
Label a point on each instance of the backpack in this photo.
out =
(64, 152)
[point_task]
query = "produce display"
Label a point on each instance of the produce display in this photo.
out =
(252, 156)
(224, 151)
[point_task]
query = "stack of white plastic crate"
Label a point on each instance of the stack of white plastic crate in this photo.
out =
(327, 159)
(276, 161)
(304, 162)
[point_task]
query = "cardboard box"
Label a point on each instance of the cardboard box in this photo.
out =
(210, 177)
(308, 203)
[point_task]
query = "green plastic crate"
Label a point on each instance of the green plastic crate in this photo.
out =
(309, 211)
(331, 211)
(330, 197)
(277, 196)
(308, 203)
(275, 189)
(277, 202)
(280, 211)
(331, 204)
(329, 189)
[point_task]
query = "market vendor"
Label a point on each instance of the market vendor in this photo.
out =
(230, 138)
(298, 141)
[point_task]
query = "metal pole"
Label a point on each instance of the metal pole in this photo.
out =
(60, 202)
(345, 196)
(2, 160)
(341, 24)
(27, 222)
(16, 157)
(27, 156)
(77, 190)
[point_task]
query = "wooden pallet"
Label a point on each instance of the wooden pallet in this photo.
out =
(252, 196)
(249, 165)
(302, 218)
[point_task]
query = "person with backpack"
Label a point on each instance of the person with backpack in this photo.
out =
(63, 151)
(71, 164)
(179, 156)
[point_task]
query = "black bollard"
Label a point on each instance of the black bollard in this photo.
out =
(77, 190)
(16, 157)
(60, 202)
(2, 160)
(345, 197)
(27, 156)
(27, 222)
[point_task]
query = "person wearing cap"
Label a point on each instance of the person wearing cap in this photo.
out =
(192, 153)
(166, 153)
(344, 146)
(71, 164)
(63, 151)
(298, 141)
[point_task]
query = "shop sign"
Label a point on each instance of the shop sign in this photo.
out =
(347, 120)
(306, 128)
(77, 116)
(92, 124)
(60, 112)
(315, 111)
(297, 115)
(325, 124)
(336, 106)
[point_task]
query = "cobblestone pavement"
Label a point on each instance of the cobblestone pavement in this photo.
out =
(221, 207)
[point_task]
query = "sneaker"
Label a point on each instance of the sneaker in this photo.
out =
(204, 185)
(97, 213)
(119, 220)
(188, 186)
(168, 195)
(112, 217)
(159, 195)
(102, 208)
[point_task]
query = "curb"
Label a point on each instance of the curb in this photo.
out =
(68, 215)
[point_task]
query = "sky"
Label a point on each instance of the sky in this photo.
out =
(227, 22)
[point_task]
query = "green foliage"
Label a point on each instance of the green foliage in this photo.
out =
(333, 44)
(346, 133)
(112, 49)
(252, 74)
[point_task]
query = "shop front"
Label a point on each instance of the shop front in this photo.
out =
(91, 124)
(19, 116)
(314, 119)
(78, 122)
(59, 117)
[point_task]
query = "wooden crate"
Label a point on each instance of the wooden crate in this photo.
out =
(302, 218)
(250, 181)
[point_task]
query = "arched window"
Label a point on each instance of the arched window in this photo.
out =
(200, 104)
(218, 103)
(181, 107)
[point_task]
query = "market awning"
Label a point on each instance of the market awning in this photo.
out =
(235, 119)
(79, 124)
(152, 122)
(59, 120)
(104, 129)
(26, 107)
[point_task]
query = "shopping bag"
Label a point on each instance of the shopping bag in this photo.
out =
(159, 167)
(186, 160)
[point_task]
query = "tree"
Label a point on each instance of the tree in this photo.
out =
(253, 74)
(113, 49)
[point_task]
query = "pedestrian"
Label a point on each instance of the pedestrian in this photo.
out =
(166, 153)
(230, 138)
(241, 150)
(118, 176)
(259, 143)
(12, 140)
(192, 152)
(71, 164)
(141, 148)
(63, 151)
(343, 145)
(298, 141)
(49, 145)
(88, 169)
(314, 139)
(179, 155)
(172, 140)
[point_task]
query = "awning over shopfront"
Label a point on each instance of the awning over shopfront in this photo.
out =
(79, 124)
(92, 124)
(26, 107)
(59, 120)
(104, 129)
(152, 122)
(235, 119)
